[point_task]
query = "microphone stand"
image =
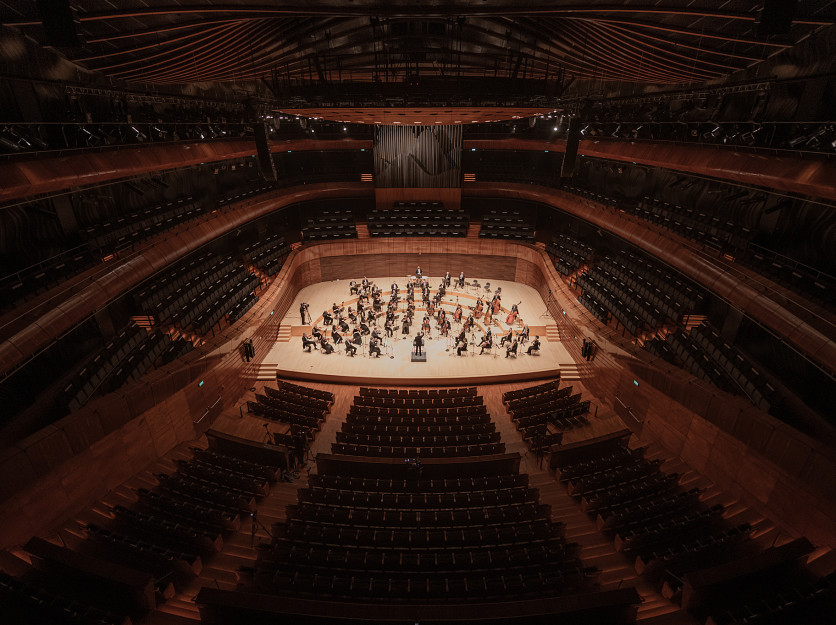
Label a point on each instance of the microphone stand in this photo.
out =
(546, 312)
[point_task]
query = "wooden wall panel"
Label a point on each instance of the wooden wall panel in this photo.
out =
(358, 265)
(385, 198)
(808, 175)
(22, 178)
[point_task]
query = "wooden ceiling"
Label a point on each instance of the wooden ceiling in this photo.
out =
(395, 41)
(425, 116)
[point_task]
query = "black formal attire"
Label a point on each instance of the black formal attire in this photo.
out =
(373, 348)
(419, 343)
(535, 346)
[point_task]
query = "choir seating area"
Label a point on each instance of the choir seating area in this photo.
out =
(415, 219)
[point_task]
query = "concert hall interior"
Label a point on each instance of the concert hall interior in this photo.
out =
(489, 312)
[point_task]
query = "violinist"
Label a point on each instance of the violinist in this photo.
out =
(508, 337)
(461, 345)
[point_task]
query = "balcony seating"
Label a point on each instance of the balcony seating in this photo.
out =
(329, 224)
(40, 277)
(507, 224)
(569, 253)
(267, 255)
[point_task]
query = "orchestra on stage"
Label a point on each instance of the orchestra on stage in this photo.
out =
(374, 322)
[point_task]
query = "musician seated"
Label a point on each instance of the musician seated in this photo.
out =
(357, 338)
(508, 337)
(462, 347)
(327, 319)
(350, 350)
(336, 336)
(511, 349)
(326, 346)
(524, 334)
(374, 348)
(460, 337)
(316, 333)
(307, 342)
(405, 329)
(389, 329)
(535, 346)
(364, 329)
(353, 288)
(343, 325)
(487, 343)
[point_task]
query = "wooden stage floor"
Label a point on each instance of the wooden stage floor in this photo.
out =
(443, 365)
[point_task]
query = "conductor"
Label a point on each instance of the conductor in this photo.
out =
(418, 342)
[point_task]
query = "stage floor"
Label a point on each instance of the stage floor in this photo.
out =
(443, 365)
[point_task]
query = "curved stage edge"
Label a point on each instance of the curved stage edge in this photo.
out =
(364, 380)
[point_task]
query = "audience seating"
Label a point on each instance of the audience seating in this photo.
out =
(330, 224)
(267, 255)
(39, 278)
(126, 357)
(507, 224)
(412, 219)
(683, 546)
(402, 537)
(569, 253)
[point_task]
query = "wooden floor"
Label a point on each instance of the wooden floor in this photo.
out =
(443, 365)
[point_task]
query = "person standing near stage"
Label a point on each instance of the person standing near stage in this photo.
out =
(461, 280)
(447, 279)
(419, 343)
